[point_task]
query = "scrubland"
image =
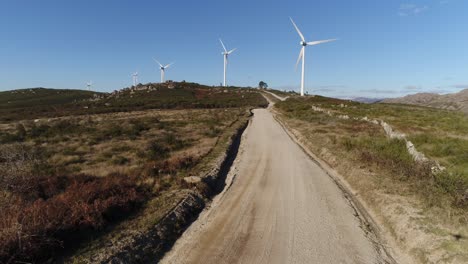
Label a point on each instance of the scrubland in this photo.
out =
(69, 178)
(425, 210)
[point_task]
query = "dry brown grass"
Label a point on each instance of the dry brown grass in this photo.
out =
(426, 221)
(98, 167)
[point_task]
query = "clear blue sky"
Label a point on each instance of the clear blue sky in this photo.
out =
(386, 48)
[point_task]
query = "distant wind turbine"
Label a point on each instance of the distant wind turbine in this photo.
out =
(225, 54)
(163, 68)
(88, 85)
(135, 78)
(304, 43)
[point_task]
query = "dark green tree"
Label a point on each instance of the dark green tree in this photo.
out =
(262, 85)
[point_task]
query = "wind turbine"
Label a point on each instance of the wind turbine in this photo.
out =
(135, 78)
(304, 43)
(225, 54)
(163, 68)
(88, 85)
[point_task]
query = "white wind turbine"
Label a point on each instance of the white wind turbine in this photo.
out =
(135, 78)
(304, 43)
(225, 54)
(88, 85)
(163, 68)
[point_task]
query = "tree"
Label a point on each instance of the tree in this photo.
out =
(262, 85)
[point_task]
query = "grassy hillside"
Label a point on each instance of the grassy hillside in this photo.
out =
(42, 96)
(412, 200)
(45, 103)
(105, 159)
(440, 134)
(178, 95)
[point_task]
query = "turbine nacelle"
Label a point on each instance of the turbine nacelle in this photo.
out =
(162, 68)
(303, 43)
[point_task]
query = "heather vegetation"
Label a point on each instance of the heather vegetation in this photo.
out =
(439, 134)
(47, 103)
(69, 178)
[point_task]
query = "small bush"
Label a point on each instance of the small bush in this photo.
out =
(135, 128)
(212, 131)
(38, 131)
(20, 165)
(156, 150)
(119, 160)
(173, 142)
(20, 132)
(32, 231)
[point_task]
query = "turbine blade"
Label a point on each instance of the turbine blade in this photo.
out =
(297, 29)
(224, 47)
(167, 66)
(320, 42)
(160, 65)
(301, 53)
(231, 51)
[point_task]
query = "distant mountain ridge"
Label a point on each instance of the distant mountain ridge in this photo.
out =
(456, 101)
(367, 100)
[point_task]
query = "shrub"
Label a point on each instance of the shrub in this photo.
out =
(33, 231)
(119, 160)
(38, 131)
(156, 150)
(173, 142)
(20, 166)
(20, 132)
(136, 127)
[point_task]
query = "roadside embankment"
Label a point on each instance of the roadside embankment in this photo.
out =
(403, 191)
(146, 237)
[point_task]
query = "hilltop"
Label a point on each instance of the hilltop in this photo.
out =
(42, 96)
(41, 102)
(457, 101)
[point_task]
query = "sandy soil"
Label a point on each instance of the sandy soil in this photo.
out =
(280, 207)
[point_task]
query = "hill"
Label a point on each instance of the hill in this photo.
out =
(80, 170)
(45, 103)
(457, 101)
(42, 96)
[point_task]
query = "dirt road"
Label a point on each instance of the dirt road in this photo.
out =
(279, 208)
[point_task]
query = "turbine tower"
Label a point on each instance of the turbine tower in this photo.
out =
(135, 78)
(304, 43)
(88, 85)
(163, 68)
(225, 54)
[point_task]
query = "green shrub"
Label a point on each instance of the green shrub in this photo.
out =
(155, 150)
(119, 160)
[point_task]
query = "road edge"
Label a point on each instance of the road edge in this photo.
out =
(367, 222)
(151, 245)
